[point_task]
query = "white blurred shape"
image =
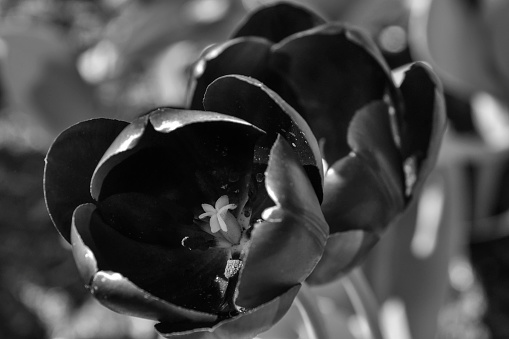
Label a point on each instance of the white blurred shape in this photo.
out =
(429, 214)
(206, 11)
(171, 73)
(359, 327)
(461, 274)
(393, 39)
(98, 63)
(492, 120)
(393, 319)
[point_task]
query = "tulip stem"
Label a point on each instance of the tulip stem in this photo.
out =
(312, 316)
(363, 301)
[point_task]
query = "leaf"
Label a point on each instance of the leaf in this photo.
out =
(40, 74)
(453, 37)
(70, 162)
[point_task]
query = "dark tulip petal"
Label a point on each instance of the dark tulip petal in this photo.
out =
(191, 279)
(84, 257)
(370, 136)
(287, 245)
(70, 162)
(245, 56)
(118, 293)
(278, 22)
(250, 100)
(365, 190)
(119, 149)
(244, 326)
(423, 122)
(188, 157)
(152, 220)
(355, 200)
(333, 76)
(360, 38)
(344, 251)
(248, 56)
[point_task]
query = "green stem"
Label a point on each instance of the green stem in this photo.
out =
(312, 316)
(363, 301)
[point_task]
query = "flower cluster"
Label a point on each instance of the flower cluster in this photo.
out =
(295, 153)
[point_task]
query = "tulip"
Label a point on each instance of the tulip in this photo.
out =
(196, 219)
(209, 219)
(379, 138)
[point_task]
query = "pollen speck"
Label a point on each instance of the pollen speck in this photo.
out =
(232, 267)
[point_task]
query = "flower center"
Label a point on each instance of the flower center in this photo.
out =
(221, 221)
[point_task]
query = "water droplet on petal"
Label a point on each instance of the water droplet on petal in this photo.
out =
(224, 151)
(259, 177)
(233, 177)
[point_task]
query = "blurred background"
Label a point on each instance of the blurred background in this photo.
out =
(442, 271)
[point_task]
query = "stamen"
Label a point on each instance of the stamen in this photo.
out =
(217, 213)
(232, 267)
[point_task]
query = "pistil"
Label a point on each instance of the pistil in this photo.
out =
(222, 221)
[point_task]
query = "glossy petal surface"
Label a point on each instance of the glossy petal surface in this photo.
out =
(181, 158)
(118, 293)
(344, 251)
(365, 189)
(424, 119)
(245, 326)
(150, 183)
(249, 56)
(156, 269)
(253, 102)
(333, 75)
(70, 163)
(362, 192)
(326, 73)
(287, 245)
(279, 21)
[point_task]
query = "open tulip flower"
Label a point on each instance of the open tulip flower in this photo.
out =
(378, 141)
(196, 219)
(208, 219)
